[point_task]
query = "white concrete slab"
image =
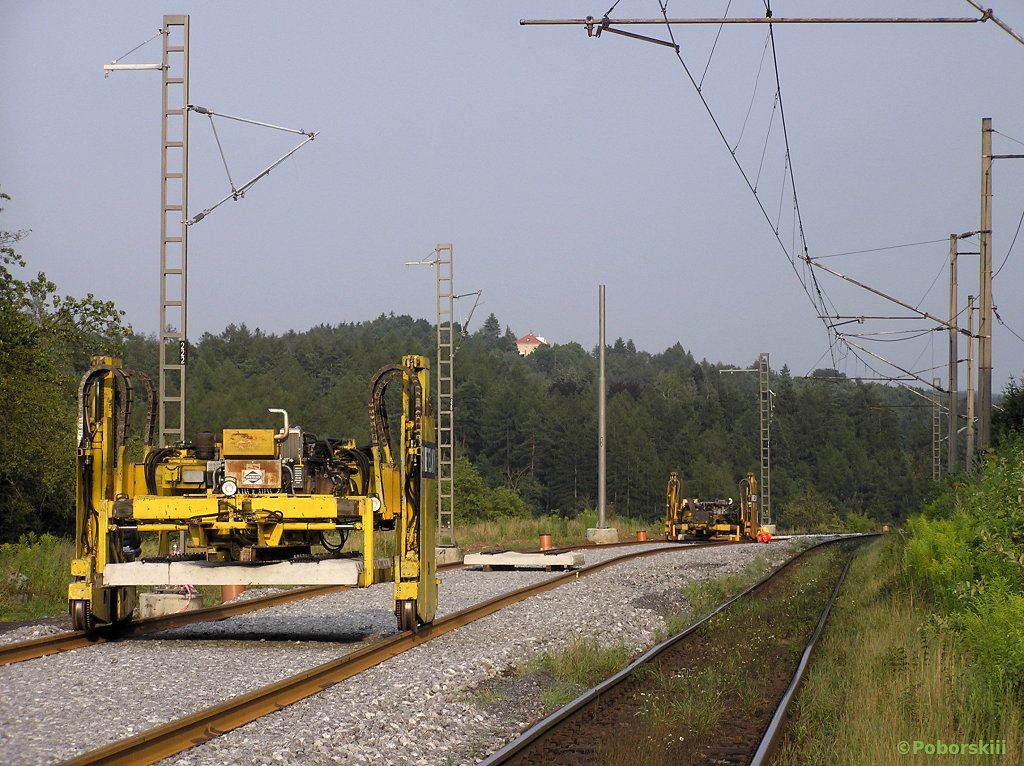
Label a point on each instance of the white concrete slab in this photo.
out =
(513, 560)
(449, 555)
(160, 604)
(326, 572)
(602, 535)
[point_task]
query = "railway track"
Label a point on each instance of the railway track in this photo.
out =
(63, 642)
(173, 737)
(23, 651)
(579, 733)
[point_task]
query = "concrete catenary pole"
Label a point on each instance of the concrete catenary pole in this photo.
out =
(985, 307)
(969, 462)
(602, 465)
(954, 362)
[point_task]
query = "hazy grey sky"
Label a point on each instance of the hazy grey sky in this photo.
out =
(553, 162)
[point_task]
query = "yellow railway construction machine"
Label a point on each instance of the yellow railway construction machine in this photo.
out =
(694, 519)
(254, 504)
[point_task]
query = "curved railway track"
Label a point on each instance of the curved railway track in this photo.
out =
(64, 642)
(175, 736)
(559, 735)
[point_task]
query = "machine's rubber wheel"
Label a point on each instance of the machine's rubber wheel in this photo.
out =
(406, 613)
(81, 615)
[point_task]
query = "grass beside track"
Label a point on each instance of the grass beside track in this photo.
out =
(34, 574)
(515, 532)
(886, 672)
(567, 673)
(691, 702)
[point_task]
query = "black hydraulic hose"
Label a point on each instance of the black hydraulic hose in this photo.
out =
(364, 468)
(291, 478)
(151, 404)
(150, 464)
(123, 389)
(379, 432)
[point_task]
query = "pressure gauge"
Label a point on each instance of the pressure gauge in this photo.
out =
(229, 487)
(375, 503)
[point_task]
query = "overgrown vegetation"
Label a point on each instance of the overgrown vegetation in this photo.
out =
(965, 553)
(519, 532)
(888, 670)
(927, 640)
(34, 575)
(704, 595)
(709, 690)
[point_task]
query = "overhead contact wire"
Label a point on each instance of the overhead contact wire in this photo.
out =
(721, 134)
(789, 156)
(1012, 243)
(880, 249)
(1010, 329)
(713, 45)
(767, 137)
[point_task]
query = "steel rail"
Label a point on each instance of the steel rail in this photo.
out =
(173, 737)
(545, 725)
(23, 651)
(772, 734)
(63, 642)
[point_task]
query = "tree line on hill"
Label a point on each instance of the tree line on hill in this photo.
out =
(525, 427)
(528, 425)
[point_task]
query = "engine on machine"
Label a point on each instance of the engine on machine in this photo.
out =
(257, 506)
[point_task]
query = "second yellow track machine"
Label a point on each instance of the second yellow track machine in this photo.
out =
(256, 506)
(694, 519)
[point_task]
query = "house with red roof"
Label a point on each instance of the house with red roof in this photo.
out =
(530, 343)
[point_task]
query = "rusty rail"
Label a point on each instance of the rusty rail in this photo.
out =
(508, 753)
(23, 651)
(173, 737)
(63, 642)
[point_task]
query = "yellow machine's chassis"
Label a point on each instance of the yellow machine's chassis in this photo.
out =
(705, 531)
(269, 516)
(289, 506)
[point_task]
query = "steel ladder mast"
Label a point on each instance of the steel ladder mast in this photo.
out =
(937, 429)
(444, 264)
(173, 231)
(174, 218)
(765, 399)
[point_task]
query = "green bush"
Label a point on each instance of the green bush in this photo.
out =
(967, 555)
(856, 521)
(810, 512)
(35, 572)
(993, 628)
(475, 501)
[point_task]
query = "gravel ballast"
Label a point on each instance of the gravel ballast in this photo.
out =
(420, 707)
(415, 708)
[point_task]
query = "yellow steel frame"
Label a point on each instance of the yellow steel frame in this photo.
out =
(271, 516)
